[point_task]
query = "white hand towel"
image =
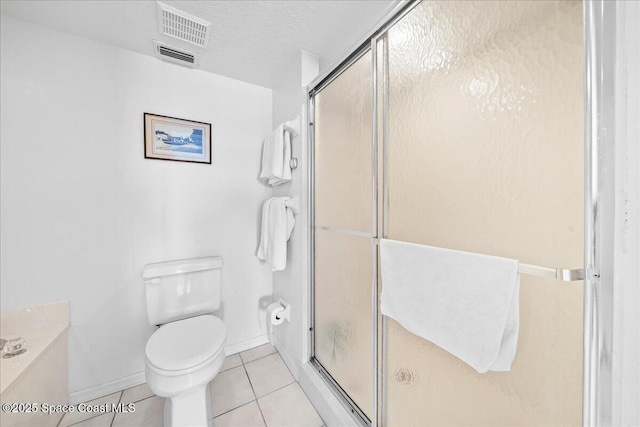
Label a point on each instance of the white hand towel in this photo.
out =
(267, 158)
(466, 303)
(263, 245)
(277, 224)
(276, 156)
(282, 167)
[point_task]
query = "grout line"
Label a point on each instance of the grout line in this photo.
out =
(275, 350)
(228, 369)
(262, 357)
(94, 416)
(232, 409)
(150, 397)
(87, 419)
(261, 414)
(231, 367)
(113, 418)
(144, 398)
(250, 384)
(241, 405)
(136, 401)
(279, 388)
(60, 420)
(254, 393)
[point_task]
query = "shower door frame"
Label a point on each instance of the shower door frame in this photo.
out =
(599, 60)
(342, 395)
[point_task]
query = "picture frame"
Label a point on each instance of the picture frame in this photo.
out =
(172, 138)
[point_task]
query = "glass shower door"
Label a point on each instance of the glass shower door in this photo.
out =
(343, 228)
(485, 154)
(480, 112)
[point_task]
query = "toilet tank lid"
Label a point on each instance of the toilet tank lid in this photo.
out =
(181, 266)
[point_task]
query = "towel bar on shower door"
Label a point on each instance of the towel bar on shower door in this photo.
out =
(563, 274)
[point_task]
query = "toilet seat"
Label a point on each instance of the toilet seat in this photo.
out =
(186, 344)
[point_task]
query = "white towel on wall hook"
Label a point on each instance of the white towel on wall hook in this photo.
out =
(277, 224)
(276, 157)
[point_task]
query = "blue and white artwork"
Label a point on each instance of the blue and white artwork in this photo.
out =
(177, 139)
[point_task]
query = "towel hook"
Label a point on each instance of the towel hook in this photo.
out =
(293, 163)
(293, 203)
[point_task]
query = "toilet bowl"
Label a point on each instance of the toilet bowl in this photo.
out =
(181, 359)
(187, 351)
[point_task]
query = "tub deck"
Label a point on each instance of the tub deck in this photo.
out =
(40, 374)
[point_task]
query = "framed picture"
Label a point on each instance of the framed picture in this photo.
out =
(170, 138)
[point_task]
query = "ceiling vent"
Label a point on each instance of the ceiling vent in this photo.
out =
(183, 26)
(174, 54)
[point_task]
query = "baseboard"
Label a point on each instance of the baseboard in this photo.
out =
(326, 403)
(245, 345)
(292, 364)
(106, 388)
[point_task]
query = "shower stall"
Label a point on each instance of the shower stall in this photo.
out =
(458, 124)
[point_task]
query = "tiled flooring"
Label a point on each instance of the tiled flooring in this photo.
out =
(253, 388)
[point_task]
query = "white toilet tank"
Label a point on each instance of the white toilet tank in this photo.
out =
(181, 289)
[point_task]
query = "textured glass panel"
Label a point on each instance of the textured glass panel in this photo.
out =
(343, 275)
(343, 183)
(485, 155)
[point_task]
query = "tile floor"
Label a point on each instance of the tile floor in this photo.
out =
(253, 388)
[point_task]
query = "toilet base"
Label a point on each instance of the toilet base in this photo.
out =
(192, 408)
(186, 386)
(187, 396)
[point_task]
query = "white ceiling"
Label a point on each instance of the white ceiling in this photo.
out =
(253, 41)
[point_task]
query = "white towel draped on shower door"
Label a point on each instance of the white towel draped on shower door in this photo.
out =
(277, 224)
(466, 303)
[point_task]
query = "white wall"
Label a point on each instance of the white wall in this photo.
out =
(82, 211)
(625, 258)
(291, 284)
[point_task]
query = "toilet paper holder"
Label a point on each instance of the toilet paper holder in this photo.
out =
(277, 313)
(285, 314)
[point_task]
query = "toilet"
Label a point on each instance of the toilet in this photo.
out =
(187, 351)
